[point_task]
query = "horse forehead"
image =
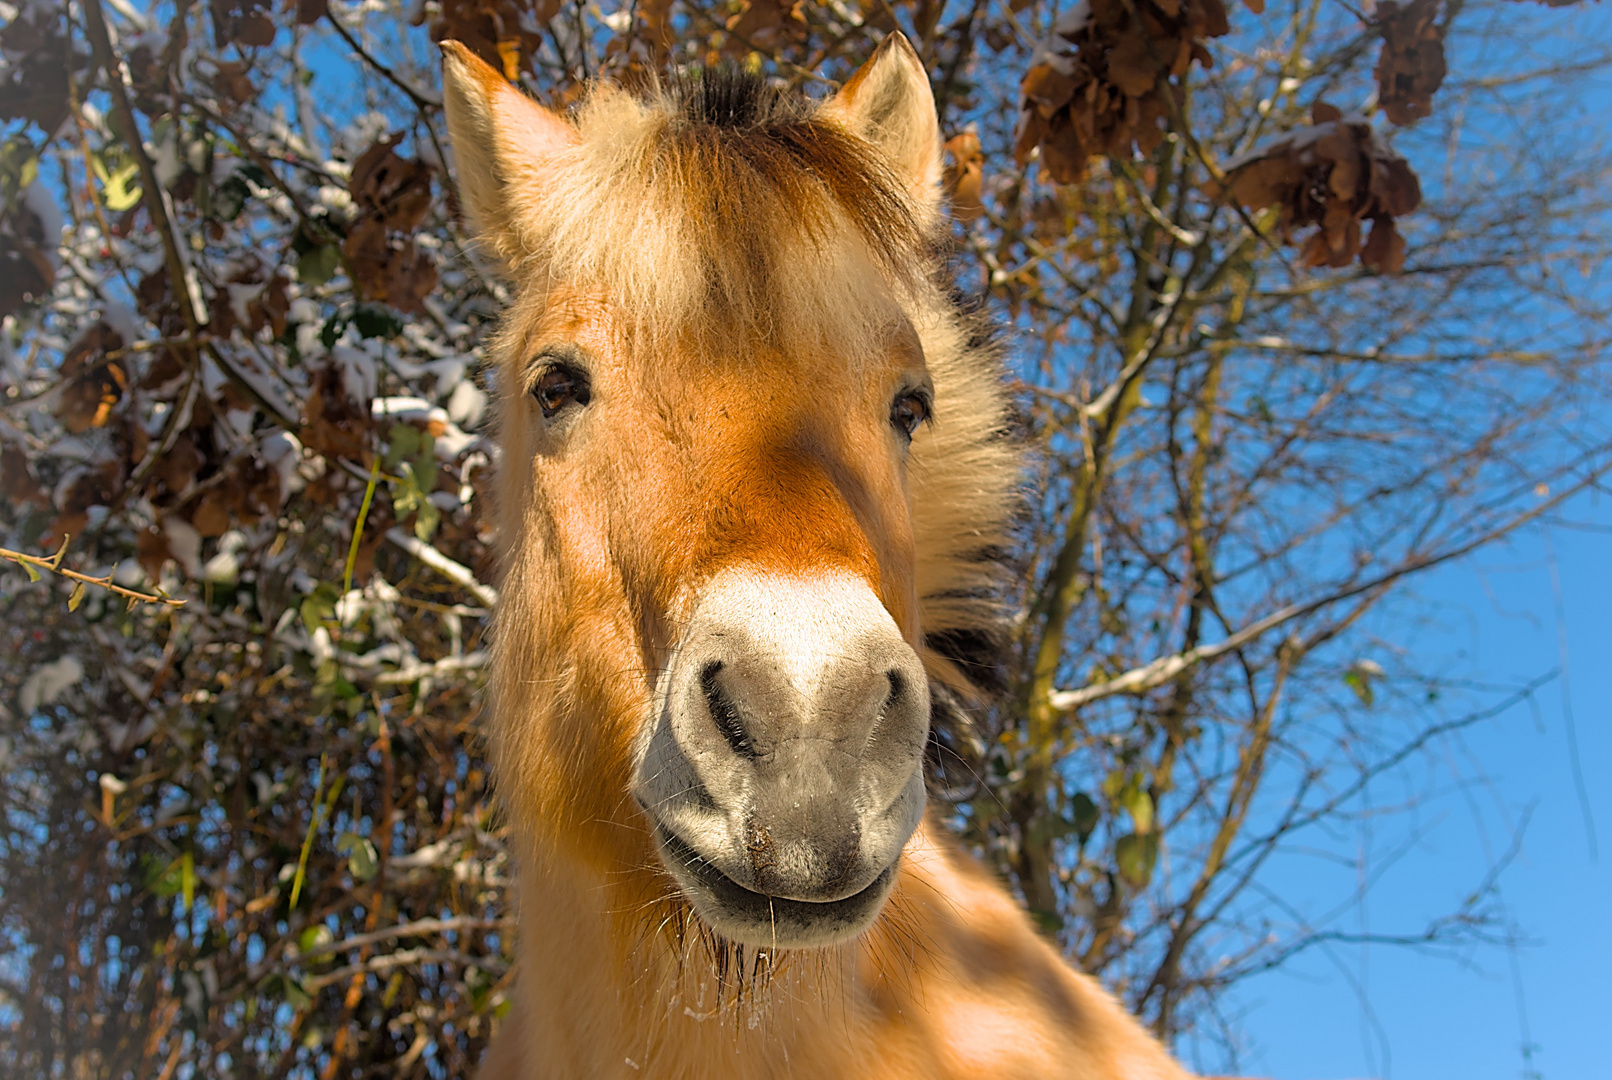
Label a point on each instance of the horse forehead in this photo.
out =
(815, 317)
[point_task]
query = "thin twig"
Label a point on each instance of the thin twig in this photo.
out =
(418, 928)
(406, 958)
(420, 100)
(453, 571)
(53, 565)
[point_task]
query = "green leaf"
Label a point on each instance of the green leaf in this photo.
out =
(362, 859)
(425, 463)
(318, 606)
(1050, 922)
(165, 882)
(331, 332)
(187, 879)
(178, 878)
(313, 937)
(1084, 815)
(278, 985)
(372, 321)
(120, 187)
(33, 575)
(319, 265)
(19, 165)
(1360, 678)
(427, 519)
(77, 597)
(307, 238)
(295, 995)
(402, 444)
(1139, 805)
(405, 492)
(1136, 855)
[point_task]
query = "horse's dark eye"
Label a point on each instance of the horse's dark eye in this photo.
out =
(908, 411)
(559, 387)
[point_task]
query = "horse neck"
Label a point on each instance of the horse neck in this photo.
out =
(610, 973)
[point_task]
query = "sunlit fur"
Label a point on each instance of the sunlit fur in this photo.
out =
(749, 276)
(697, 219)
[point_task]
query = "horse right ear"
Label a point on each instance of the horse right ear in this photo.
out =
(888, 102)
(504, 144)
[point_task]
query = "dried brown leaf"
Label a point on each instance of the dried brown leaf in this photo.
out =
(767, 24)
(33, 83)
(1331, 177)
(26, 271)
(394, 190)
(1049, 87)
(333, 424)
(501, 32)
(1103, 82)
(1385, 248)
(1411, 67)
(242, 22)
(151, 552)
(964, 175)
(211, 514)
(17, 484)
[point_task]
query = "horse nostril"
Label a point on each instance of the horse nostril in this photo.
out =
(723, 712)
(898, 687)
(892, 702)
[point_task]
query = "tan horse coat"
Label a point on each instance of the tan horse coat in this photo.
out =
(739, 300)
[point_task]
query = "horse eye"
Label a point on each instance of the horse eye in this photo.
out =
(559, 387)
(908, 411)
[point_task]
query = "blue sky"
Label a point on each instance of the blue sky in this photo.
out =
(1392, 1012)
(1508, 616)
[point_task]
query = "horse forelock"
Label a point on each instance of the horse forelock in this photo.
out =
(717, 207)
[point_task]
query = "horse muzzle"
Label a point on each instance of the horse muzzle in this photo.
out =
(783, 773)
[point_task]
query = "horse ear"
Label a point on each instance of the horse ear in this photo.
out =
(889, 103)
(503, 144)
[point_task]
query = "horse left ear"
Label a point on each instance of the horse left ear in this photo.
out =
(504, 144)
(888, 102)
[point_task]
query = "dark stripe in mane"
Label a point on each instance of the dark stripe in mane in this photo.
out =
(731, 98)
(755, 171)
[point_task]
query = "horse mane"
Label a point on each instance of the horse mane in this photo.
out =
(966, 475)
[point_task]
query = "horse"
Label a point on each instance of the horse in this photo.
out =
(754, 483)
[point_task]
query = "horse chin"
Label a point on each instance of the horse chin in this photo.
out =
(746, 917)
